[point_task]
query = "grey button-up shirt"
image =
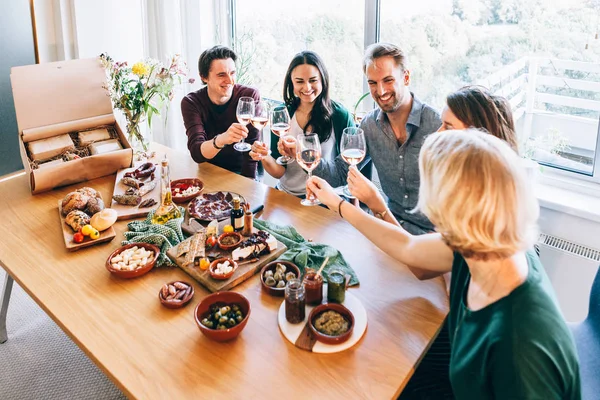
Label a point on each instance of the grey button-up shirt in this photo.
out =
(397, 165)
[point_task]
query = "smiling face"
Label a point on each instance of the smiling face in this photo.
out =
(450, 121)
(307, 83)
(387, 83)
(220, 80)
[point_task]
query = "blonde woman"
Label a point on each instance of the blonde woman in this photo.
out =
(508, 338)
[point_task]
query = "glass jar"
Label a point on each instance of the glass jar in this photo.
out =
(295, 301)
(336, 286)
(313, 286)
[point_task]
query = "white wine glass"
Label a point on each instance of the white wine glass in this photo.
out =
(353, 149)
(244, 114)
(280, 125)
(261, 115)
(308, 156)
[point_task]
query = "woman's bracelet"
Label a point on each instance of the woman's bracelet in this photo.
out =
(340, 207)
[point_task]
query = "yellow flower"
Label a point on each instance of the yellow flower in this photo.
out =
(140, 69)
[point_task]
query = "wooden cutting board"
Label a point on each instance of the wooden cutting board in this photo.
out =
(129, 212)
(68, 232)
(243, 272)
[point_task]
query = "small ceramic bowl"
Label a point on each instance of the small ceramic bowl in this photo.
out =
(227, 247)
(184, 183)
(327, 339)
(136, 272)
(213, 267)
(177, 303)
(203, 309)
(274, 291)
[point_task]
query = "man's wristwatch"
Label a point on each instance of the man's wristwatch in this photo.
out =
(215, 144)
(381, 215)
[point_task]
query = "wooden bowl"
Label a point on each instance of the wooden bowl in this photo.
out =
(203, 309)
(188, 181)
(176, 303)
(228, 247)
(273, 291)
(327, 339)
(137, 272)
(213, 267)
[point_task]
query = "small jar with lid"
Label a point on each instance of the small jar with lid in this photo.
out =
(313, 286)
(337, 283)
(295, 301)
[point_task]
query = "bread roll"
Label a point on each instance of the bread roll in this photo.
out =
(104, 219)
(74, 201)
(77, 219)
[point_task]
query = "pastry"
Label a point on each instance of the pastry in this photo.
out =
(77, 219)
(196, 250)
(91, 192)
(104, 219)
(74, 201)
(94, 205)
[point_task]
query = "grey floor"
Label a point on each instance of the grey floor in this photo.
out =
(40, 362)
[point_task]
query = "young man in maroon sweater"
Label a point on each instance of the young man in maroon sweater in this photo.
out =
(209, 114)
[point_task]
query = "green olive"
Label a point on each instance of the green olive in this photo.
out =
(239, 318)
(225, 310)
(231, 322)
(238, 313)
(221, 327)
(223, 320)
(235, 307)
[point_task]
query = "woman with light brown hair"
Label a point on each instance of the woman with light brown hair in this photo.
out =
(508, 338)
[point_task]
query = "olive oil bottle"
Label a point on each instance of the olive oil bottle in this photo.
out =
(167, 210)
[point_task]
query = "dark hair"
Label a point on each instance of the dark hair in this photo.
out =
(475, 107)
(320, 116)
(378, 50)
(214, 53)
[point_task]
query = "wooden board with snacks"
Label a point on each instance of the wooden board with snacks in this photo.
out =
(69, 233)
(149, 191)
(246, 267)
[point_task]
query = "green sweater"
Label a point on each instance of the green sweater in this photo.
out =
(516, 348)
(340, 119)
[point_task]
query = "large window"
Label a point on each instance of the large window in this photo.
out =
(541, 55)
(269, 33)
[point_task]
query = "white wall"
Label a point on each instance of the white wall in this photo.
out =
(111, 26)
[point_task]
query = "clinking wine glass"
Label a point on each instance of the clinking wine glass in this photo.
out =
(353, 149)
(280, 125)
(261, 115)
(308, 156)
(244, 114)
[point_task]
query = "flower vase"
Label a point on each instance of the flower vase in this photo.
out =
(139, 136)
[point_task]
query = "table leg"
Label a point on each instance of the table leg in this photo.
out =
(4, 298)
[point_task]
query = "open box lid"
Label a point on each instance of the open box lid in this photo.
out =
(52, 93)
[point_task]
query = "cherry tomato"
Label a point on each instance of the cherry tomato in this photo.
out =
(78, 237)
(211, 241)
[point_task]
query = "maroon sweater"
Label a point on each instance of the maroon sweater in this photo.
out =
(204, 120)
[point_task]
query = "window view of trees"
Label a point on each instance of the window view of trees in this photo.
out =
(449, 44)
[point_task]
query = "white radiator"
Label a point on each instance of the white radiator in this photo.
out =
(571, 268)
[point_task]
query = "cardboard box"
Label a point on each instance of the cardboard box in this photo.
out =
(61, 97)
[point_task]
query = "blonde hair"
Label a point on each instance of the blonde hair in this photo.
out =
(474, 190)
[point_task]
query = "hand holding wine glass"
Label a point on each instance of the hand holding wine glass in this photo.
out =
(280, 125)
(353, 149)
(244, 114)
(308, 156)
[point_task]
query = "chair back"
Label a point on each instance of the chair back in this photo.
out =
(594, 310)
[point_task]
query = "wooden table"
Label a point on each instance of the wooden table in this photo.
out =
(152, 352)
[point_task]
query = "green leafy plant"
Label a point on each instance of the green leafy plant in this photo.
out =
(139, 91)
(357, 118)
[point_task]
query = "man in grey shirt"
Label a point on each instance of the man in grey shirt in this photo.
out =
(394, 133)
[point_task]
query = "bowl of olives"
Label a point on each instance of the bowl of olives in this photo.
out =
(274, 276)
(222, 316)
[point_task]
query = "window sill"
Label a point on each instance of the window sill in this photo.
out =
(568, 201)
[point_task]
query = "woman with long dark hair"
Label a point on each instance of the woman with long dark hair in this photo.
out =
(306, 96)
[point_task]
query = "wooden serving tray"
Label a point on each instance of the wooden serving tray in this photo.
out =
(129, 212)
(105, 236)
(242, 273)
